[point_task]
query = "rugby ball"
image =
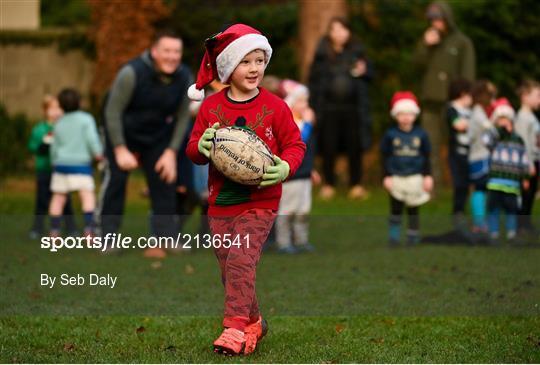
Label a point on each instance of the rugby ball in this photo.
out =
(240, 155)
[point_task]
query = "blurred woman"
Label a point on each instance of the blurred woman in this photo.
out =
(338, 85)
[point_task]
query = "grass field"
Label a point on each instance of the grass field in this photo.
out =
(353, 300)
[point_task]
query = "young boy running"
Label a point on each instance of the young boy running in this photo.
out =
(238, 56)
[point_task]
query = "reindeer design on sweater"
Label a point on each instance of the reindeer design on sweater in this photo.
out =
(241, 121)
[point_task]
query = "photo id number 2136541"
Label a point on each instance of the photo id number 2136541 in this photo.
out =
(226, 240)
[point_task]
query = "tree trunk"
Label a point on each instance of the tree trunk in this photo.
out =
(121, 30)
(314, 16)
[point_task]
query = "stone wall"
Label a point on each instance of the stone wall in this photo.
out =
(28, 71)
(19, 14)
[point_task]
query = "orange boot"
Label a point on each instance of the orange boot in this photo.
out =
(230, 343)
(254, 333)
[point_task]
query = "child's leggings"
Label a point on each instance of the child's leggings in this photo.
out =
(478, 203)
(238, 263)
(497, 201)
(396, 210)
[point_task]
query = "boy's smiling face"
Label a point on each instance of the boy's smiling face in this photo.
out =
(249, 73)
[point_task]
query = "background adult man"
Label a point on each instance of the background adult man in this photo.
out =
(146, 117)
(443, 55)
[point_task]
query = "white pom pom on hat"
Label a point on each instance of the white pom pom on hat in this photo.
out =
(224, 52)
(194, 93)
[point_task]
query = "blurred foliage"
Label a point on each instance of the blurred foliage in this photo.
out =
(506, 35)
(196, 20)
(65, 39)
(64, 13)
(14, 134)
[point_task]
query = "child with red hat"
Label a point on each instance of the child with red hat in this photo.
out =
(508, 171)
(238, 56)
(405, 152)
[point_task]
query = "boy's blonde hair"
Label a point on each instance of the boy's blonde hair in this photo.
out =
(527, 86)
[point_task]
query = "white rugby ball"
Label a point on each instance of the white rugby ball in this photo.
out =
(240, 155)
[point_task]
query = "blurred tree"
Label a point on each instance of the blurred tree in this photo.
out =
(196, 20)
(313, 19)
(121, 30)
(14, 134)
(389, 30)
(506, 35)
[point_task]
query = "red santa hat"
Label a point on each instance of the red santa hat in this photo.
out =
(502, 108)
(404, 102)
(224, 51)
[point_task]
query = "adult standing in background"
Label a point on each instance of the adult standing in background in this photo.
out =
(338, 93)
(146, 118)
(444, 54)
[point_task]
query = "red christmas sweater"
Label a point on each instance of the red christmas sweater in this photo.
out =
(271, 119)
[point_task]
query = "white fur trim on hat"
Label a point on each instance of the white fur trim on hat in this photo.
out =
(231, 56)
(405, 106)
(194, 93)
(503, 111)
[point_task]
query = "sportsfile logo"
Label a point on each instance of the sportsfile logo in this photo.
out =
(239, 160)
(110, 241)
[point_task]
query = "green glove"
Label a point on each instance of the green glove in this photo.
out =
(205, 142)
(275, 174)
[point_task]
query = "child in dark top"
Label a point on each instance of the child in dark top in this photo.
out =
(39, 144)
(405, 152)
(458, 117)
(239, 56)
(508, 171)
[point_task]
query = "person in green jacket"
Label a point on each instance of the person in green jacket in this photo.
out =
(39, 143)
(444, 54)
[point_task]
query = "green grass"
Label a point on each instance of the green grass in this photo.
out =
(292, 339)
(353, 300)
